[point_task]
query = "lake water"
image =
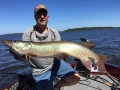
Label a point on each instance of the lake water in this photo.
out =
(107, 42)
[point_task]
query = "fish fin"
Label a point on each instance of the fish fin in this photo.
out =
(86, 62)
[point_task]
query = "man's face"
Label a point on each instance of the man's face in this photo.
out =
(41, 17)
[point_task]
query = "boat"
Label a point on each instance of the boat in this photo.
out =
(114, 70)
(26, 81)
(107, 81)
(14, 81)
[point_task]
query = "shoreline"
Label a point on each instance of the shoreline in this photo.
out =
(88, 28)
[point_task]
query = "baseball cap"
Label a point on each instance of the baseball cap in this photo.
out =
(41, 6)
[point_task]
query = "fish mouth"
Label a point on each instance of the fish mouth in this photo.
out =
(7, 43)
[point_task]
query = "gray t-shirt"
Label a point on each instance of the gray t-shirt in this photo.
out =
(40, 65)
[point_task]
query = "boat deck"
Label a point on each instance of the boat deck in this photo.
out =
(103, 82)
(89, 84)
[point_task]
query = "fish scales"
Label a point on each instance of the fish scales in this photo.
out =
(46, 49)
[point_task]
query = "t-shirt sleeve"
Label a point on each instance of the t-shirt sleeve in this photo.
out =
(26, 35)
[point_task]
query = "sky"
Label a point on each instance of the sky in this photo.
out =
(16, 16)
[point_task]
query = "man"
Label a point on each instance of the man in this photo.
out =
(44, 69)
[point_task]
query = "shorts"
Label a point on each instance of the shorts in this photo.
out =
(60, 69)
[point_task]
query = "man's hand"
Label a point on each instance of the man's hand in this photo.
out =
(23, 58)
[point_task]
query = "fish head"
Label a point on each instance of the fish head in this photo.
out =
(18, 47)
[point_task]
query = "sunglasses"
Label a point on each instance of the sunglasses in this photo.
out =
(42, 12)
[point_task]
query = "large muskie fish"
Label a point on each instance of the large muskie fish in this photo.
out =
(53, 49)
